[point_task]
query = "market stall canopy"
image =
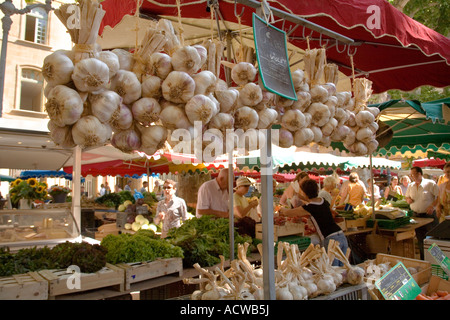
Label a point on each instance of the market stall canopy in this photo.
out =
(389, 48)
(45, 174)
(443, 155)
(142, 164)
(429, 163)
(4, 177)
(287, 159)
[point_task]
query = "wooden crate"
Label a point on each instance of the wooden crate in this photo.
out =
(58, 280)
(27, 286)
(436, 283)
(289, 228)
(356, 223)
(141, 271)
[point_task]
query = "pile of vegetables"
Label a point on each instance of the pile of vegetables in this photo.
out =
(437, 295)
(137, 100)
(299, 276)
(144, 245)
(204, 239)
(89, 258)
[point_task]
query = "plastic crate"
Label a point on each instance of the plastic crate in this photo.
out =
(388, 223)
(436, 270)
(302, 242)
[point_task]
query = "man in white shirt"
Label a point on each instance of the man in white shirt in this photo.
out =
(212, 198)
(422, 198)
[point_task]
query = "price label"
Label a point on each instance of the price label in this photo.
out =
(440, 257)
(398, 284)
(272, 56)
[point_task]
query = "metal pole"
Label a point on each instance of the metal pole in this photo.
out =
(76, 185)
(267, 217)
(373, 188)
(231, 206)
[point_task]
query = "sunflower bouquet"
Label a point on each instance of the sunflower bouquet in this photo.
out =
(27, 189)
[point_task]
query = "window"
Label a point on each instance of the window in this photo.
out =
(36, 26)
(31, 90)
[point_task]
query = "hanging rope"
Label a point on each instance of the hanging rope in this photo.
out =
(211, 9)
(353, 69)
(180, 25)
(136, 16)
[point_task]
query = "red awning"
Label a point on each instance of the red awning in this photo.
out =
(390, 49)
(431, 163)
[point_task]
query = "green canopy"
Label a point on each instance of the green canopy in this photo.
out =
(417, 126)
(4, 177)
(439, 155)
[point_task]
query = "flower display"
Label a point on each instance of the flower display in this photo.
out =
(55, 190)
(27, 189)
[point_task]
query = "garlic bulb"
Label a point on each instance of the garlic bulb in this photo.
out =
(350, 138)
(174, 117)
(317, 134)
(267, 117)
(61, 136)
(222, 121)
(57, 69)
(319, 94)
(329, 127)
(303, 101)
(126, 60)
(374, 110)
(202, 52)
(284, 138)
(178, 87)
(186, 59)
(343, 98)
(105, 105)
(90, 132)
(152, 138)
(151, 87)
(160, 65)
(205, 82)
(364, 135)
(340, 132)
(372, 145)
(283, 102)
(303, 137)
(127, 85)
(246, 118)
(121, 120)
(64, 106)
(111, 60)
(268, 100)
(320, 114)
(146, 111)
(374, 127)
(298, 76)
(358, 148)
(200, 108)
(250, 94)
(90, 75)
(243, 73)
(126, 140)
(364, 118)
(293, 120)
(341, 115)
(227, 99)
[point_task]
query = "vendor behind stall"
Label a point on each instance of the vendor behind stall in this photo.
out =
(212, 198)
(393, 191)
(171, 210)
(319, 210)
(243, 207)
(422, 196)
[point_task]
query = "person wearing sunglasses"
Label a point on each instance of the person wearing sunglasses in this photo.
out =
(171, 210)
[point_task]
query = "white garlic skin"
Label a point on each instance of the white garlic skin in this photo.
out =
(178, 87)
(186, 59)
(243, 73)
(90, 75)
(57, 69)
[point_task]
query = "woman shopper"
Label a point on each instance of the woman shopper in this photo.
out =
(404, 182)
(329, 191)
(289, 197)
(353, 191)
(393, 190)
(319, 211)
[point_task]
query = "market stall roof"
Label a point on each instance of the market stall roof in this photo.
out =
(429, 163)
(389, 48)
(141, 164)
(4, 177)
(443, 155)
(45, 174)
(288, 159)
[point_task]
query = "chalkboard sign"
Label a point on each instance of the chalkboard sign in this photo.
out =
(272, 56)
(398, 284)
